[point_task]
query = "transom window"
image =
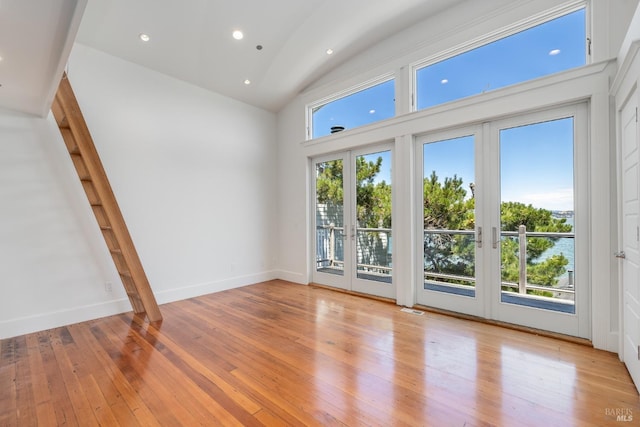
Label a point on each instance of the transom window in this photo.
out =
(547, 48)
(357, 108)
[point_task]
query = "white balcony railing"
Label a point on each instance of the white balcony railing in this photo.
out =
(330, 255)
(522, 286)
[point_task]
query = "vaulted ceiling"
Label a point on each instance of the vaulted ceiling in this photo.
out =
(192, 40)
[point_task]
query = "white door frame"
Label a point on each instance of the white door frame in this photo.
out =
(330, 279)
(472, 305)
(578, 324)
(349, 279)
(487, 302)
(382, 289)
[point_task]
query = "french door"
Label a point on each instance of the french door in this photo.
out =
(502, 219)
(353, 230)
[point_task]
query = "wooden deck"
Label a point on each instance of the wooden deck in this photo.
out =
(282, 354)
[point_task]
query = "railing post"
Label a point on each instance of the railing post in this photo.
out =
(332, 243)
(522, 240)
(571, 279)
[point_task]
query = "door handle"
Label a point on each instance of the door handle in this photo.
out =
(479, 237)
(494, 237)
(620, 255)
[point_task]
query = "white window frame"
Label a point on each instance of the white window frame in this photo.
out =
(504, 32)
(343, 94)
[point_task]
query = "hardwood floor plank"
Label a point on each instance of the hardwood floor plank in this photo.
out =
(198, 394)
(133, 362)
(278, 354)
(230, 397)
(38, 379)
(125, 379)
(124, 401)
(8, 392)
(24, 387)
(68, 366)
(63, 408)
(194, 399)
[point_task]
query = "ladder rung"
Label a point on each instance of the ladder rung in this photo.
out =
(125, 274)
(85, 178)
(64, 123)
(105, 228)
(96, 204)
(116, 251)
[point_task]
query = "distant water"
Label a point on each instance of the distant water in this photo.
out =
(564, 246)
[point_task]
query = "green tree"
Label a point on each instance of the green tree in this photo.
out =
(373, 199)
(447, 206)
(329, 178)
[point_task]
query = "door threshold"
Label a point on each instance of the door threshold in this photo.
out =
(354, 293)
(528, 329)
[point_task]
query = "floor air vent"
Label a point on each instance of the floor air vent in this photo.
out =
(412, 311)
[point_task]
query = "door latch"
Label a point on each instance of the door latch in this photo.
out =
(620, 254)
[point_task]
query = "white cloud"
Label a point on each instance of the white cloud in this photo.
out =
(557, 200)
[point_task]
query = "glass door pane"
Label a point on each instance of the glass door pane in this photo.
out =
(330, 226)
(449, 216)
(373, 217)
(353, 236)
(537, 215)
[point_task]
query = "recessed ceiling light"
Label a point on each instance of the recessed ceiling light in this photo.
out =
(554, 52)
(0, 58)
(144, 37)
(247, 82)
(329, 51)
(444, 81)
(237, 34)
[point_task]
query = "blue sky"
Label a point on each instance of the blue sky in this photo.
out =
(358, 109)
(542, 50)
(537, 160)
(536, 163)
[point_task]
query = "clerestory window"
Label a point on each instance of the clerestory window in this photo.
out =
(357, 107)
(547, 48)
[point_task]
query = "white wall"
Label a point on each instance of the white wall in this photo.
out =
(193, 172)
(396, 54)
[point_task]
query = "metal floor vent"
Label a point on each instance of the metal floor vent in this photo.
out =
(412, 311)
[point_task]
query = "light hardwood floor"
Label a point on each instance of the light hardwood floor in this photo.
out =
(282, 354)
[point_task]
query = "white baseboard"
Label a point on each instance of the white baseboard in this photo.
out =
(40, 322)
(186, 292)
(291, 276)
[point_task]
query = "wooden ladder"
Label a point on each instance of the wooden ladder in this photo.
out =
(103, 202)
